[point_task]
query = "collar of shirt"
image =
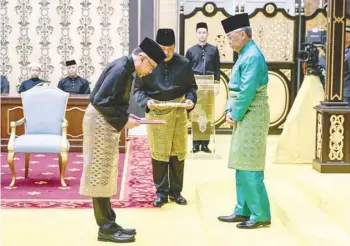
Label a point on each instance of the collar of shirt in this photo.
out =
(202, 45)
(246, 46)
(131, 64)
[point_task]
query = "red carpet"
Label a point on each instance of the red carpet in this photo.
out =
(42, 188)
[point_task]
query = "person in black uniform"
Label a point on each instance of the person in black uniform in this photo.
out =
(73, 83)
(5, 85)
(205, 60)
(171, 83)
(347, 66)
(34, 69)
(106, 115)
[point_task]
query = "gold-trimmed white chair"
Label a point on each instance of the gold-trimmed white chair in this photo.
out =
(44, 110)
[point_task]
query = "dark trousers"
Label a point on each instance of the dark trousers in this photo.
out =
(104, 215)
(198, 143)
(168, 176)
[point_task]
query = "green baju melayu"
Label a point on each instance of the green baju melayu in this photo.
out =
(248, 104)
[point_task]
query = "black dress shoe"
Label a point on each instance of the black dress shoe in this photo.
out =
(160, 201)
(116, 237)
(253, 225)
(178, 199)
(206, 149)
(127, 231)
(233, 218)
(195, 149)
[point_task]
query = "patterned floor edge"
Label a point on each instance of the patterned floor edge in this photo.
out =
(8, 204)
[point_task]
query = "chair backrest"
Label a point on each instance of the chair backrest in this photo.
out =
(44, 109)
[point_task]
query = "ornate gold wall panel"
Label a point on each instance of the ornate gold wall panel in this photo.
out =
(336, 137)
(319, 21)
(310, 6)
(319, 136)
(267, 34)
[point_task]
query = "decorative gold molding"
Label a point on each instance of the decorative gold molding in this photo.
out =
(284, 114)
(8, 117)
(227, 71)
(75, 108)
(209, 8)
(336, 137)
(225, 125)
(270, 8)
(287, 73)
(336, 96)
(71, 109)
(319, 136)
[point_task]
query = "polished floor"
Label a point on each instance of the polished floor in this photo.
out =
(308, 209)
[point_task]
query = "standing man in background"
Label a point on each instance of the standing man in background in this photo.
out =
(205, 60)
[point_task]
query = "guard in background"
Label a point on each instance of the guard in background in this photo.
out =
(73, 83)
(205, 60)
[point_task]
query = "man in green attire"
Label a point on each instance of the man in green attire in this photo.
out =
(248, 113)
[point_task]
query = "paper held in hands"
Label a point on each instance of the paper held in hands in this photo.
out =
(152, 122)
(170, 105)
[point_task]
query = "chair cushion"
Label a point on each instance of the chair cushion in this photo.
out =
(36, 143)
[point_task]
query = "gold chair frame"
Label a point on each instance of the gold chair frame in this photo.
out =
(62, 157)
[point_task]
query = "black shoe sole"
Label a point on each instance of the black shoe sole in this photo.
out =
(129, 233)
(159, 205)
(173, 200)
(262, 224)
(232, 221)
(112, 241)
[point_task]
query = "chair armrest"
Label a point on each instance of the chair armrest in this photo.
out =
(64, 135)
(18, 122)
(13, 133)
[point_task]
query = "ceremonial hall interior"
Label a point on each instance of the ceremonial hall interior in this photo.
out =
(307, 162)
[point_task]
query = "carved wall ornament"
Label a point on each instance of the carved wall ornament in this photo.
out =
(287, 73)
(267, 35)
(123, 29)
(220, 42)
(24, 49)
(86, 31)
(65, 49)
(336, 137)
(44, 30)
(105, 50)
(5, 31)
(319, 136)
